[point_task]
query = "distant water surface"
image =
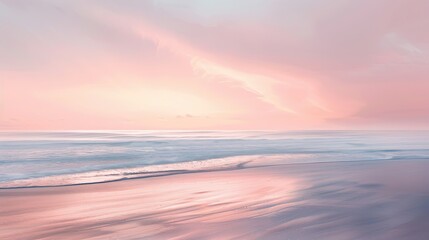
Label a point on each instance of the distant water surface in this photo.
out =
(35, 155)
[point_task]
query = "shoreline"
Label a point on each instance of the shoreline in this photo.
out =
(327, 201)
(162, 170)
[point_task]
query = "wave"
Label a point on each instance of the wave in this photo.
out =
(29, 159)
(223, 164)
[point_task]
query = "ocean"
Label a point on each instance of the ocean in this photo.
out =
(77, 157)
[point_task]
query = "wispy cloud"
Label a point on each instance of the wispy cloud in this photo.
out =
(334, 62)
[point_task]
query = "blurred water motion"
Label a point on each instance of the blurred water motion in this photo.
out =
(310, 201)
(301, 195)
(90, 156)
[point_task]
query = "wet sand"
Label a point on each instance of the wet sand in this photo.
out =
(253, 200)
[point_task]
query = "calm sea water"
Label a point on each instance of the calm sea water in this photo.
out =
(32, 155)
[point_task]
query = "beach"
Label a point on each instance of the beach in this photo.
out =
(248, 198)
(214, 120)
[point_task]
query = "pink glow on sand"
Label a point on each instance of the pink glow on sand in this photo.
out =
(212, 199)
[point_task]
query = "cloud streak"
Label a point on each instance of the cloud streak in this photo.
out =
(301, 64)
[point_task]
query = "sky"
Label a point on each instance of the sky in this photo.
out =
(214, 64)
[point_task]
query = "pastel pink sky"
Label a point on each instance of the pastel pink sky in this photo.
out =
(214, 64)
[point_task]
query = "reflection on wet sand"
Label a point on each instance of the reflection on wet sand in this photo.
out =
(354, 200)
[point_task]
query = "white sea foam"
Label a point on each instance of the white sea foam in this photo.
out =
(62, 158)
